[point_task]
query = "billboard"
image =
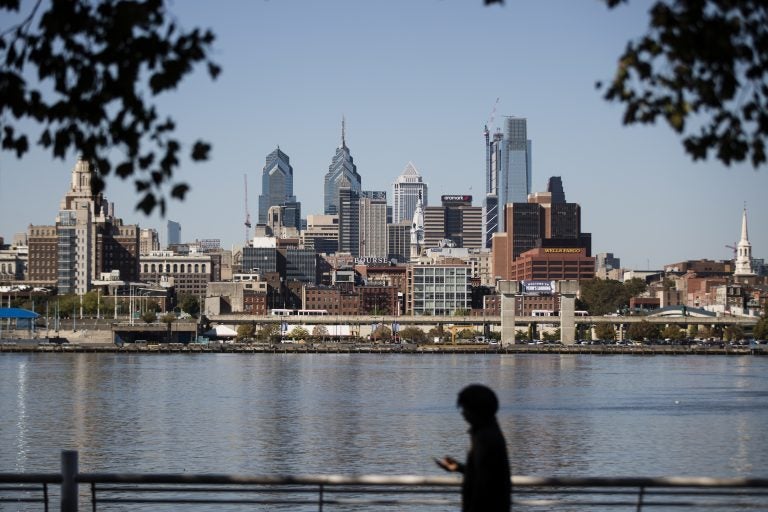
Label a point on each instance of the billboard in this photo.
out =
(537, 287)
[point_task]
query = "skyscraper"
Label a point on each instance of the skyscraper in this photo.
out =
(508, 173)
(349, 218)
(342, 166)
(373, 224)
(456, 220)
(405, 194)
(88, 240)
(276, 183)
(174, 233)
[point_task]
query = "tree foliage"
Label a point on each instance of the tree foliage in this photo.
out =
(298, 333)
(643, 330)
(702, 67)
(605, 332)
(413, 334)
(602, 296)
(97, 65)
(245, 331)
(190, 305)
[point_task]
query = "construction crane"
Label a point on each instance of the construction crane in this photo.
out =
(734, 249)
(247, 213)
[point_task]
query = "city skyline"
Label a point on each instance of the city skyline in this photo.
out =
(415, 90)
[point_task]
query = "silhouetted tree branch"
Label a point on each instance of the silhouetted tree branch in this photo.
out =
(702, 67)
(85, 72)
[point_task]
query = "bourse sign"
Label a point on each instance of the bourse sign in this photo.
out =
(537, 287)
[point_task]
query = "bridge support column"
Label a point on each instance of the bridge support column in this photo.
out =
(568, 291)
(508, 290)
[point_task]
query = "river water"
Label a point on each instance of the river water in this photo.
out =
(268, 414)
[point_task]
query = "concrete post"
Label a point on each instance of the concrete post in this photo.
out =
(508, 290)
(568, 291)
(69, 481)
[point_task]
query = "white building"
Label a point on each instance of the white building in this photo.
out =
(405, 194)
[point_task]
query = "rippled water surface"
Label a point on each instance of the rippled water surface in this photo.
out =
(268, 414)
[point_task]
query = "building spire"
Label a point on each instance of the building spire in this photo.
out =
(343, 132)
(744, 250)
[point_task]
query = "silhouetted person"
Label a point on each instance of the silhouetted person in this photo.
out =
(486, 486)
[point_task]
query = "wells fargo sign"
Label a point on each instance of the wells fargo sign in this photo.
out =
(563, 250)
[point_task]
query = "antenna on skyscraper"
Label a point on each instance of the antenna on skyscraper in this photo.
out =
(247, 213)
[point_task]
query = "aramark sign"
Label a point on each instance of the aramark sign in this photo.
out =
(537, 287)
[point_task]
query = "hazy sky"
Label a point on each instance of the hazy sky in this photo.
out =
(416, 81)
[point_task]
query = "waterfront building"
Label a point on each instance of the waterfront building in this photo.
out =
(349, 218)
(13, 264)
(86, 240)
(149, 240)
(334, 300)
(243, 296)
(173, 229)
(373, 224)
(406, 191)
(477, 259)
(438, 289)
(277, 187)
(189, 274)
(553, 264)
(456, 220)
(744, 251)
(342, 168)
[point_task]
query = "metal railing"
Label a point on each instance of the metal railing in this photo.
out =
(102, 491)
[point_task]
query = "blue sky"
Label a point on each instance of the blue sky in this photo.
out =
(416, 81)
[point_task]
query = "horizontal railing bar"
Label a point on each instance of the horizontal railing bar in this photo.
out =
(30, 478)
(266, 490)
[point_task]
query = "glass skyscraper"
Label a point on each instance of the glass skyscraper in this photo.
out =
(342, 166)
(276, 183)
(508, 173)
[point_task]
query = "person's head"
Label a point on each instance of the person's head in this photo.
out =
(478, 403)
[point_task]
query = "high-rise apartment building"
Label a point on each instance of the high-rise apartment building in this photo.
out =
(399, 241)
(456, 220)
(373, 224)
(508, 173)
(174, 233)
(89, 240)
(342, 167)
(276, 184)
(406, 190)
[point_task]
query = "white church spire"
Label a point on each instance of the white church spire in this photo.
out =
(744, 250)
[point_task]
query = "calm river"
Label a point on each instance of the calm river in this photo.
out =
(267, 414)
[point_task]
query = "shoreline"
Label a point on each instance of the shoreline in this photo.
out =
(29, 346)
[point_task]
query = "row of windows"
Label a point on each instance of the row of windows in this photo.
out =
(177, 268)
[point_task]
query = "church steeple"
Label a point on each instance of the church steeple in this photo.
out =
(417, 231)
(744, 250)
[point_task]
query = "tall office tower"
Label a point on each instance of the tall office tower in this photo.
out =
(174, 233)
(373, 224)
(349, 218)
(555, 187)
(342, 166)
(508, 172)
(538, 223)
(89, 240)
(491, 202)
(276, 184)
(456, 220)
(399, 241)
(149, 241)
(405, 194)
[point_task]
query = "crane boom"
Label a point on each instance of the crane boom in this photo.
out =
(247, 213)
